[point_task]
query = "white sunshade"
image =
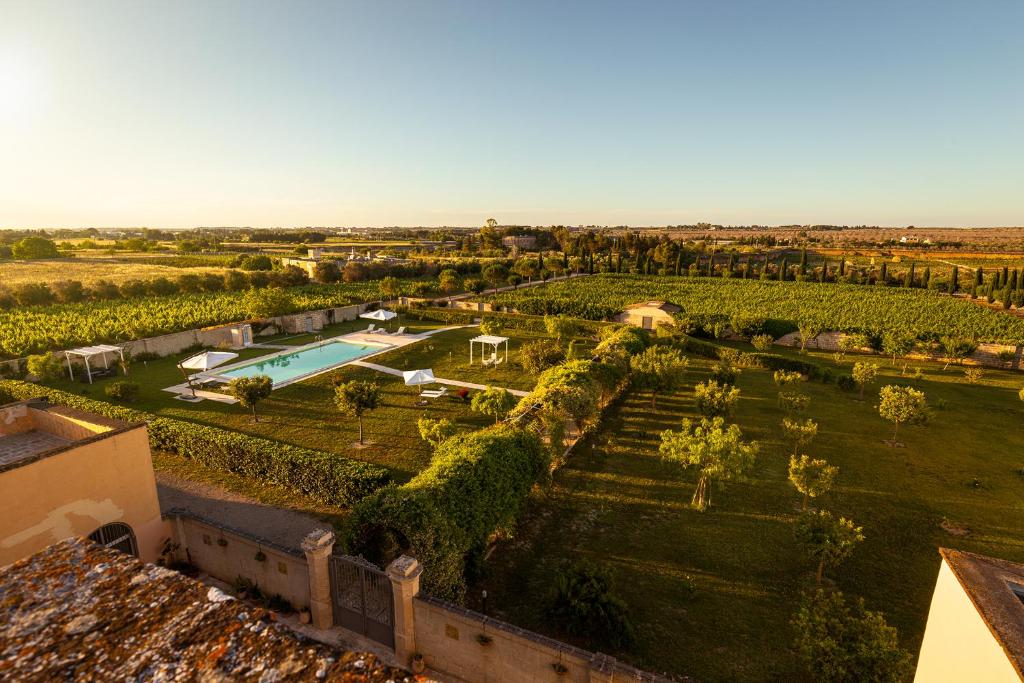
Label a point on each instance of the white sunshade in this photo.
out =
(379, 314)
(207, 360)
(489, 339)
(94, 350)
(415, 377)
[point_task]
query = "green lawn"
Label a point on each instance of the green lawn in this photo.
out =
(304, 413)
(617, 502)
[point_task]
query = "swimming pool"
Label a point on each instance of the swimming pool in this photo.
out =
(289, 366)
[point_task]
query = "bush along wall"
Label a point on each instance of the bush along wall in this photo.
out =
(475, 485)
(325, 477)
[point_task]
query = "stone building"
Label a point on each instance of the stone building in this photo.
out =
(648, 314)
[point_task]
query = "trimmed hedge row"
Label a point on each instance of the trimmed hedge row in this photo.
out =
(326, 477)
(476, 484)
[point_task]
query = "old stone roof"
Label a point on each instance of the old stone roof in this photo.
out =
(996, 587)
(78, 611)
(663, 305)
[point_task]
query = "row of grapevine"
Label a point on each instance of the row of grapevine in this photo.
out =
(37, 328)
(921, 313)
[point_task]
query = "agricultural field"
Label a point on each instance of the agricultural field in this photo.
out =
(726, 581)
(922, 313)
(116, 269)
(32, 329)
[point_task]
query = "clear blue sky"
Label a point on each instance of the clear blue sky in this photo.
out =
(176, 114)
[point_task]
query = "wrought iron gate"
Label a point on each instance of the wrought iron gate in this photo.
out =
(361, 598)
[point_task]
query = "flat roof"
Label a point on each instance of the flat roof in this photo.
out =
(990, 583)
(79, 611)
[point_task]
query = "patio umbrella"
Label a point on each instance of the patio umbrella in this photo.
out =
(379, 314)
(204, 361)
(416, 377)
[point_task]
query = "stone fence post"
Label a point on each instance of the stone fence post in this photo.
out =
(404, 574)
(318, 546)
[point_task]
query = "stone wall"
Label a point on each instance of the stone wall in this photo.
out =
(227, 554)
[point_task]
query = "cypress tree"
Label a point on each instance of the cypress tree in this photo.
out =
(639, 265)
(926, 279)
(824, 272)
(803, 261)
(954, 281)
(910, 277)
(731, 265)
(782, 270)
(1013, 279)
(1006, 297)
(979, 277)
(540, 259)
(711, 263)
(565, 260)
(618, 262)
(748, 267)
(609, 265)
(883, 273)
(590, 260)
(1006, 276)
(679, 262)
(842, 266)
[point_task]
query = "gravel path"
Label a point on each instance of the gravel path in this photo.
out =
(280, 526)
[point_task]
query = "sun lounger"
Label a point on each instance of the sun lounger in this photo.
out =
(498, 361)
(400, 330)
(434, 393)
(371, 329)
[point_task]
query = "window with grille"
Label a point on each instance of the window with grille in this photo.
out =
(118, 536)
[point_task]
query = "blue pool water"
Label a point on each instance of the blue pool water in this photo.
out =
(289, 366)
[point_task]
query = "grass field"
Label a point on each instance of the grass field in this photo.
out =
(89, 270)
(304, 413)
(711, 593)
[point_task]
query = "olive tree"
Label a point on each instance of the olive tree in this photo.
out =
(900, 405)
(799, 432)
(249, 391)
(716, 400)
(658, 368)
(435, 431)
(356, 398)
(827, 539)
(864, 374)
(808, 331)
(449, 281)
(493, 401)
(811, 477)
(897, 344)
(956, 349)
(716, 450)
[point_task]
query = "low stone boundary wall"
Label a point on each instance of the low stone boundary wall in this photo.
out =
(228, 554)
(449, 638)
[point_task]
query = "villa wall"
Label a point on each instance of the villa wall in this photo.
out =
(227, 554)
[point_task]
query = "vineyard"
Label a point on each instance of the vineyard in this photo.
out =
(922, 313)
(38, 328)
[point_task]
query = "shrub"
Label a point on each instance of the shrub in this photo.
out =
(476, 483)
(45, 366)
(540, 355)
(846, 383)
(762, 342)
(584, 605)
(973, 375)
(122, 390)
(326, 477)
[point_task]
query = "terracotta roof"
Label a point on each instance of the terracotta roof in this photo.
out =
(77, 611)
(663, 305)
(987, 582)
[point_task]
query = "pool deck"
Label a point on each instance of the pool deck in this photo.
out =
(387, 342)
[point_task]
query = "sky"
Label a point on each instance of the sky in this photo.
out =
(182, 114)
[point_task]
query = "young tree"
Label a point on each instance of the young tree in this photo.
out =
(901, 404)
(495, 274)
(826, 539)
(493, 401)
(811, 477)
(490, 326)
(355, 399)
(251, 390)
(45, 366)
(390, 288)
(864, 374)
(435, 431)
(897, 344)
(956, 349)
(840, 642)
(449, 281)
(560, 326)
(718, 452)
(658, 368)
(716, 400)
(799, 433)
(537, 356)
(808, 332)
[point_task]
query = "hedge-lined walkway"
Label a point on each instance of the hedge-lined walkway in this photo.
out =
(439, 380)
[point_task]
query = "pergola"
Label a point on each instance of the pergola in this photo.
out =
(87, 352)
(488, 340)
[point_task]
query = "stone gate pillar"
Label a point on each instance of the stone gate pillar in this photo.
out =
(318, 546)
(404, 574)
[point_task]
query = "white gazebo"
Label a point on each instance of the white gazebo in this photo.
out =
(488, 340)
(87, 352)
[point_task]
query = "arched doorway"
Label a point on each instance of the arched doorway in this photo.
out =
(118, 536)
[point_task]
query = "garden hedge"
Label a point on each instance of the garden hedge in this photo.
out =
(326, 477)
(476, 484)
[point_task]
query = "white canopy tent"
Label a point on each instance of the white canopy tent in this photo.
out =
(488, 340)
(206, 360)
(380, 314)
(87, 352)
